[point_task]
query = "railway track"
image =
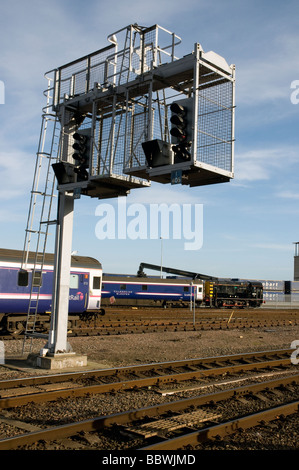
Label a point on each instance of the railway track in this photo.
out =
(181, 424)
(190, 439)
(112, 327)
(18, 392)
(170, 425)
(123, 321)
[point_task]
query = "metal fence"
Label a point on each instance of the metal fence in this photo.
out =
(142, 50)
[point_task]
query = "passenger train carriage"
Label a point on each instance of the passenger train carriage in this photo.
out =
(128, 290)
(15, 287)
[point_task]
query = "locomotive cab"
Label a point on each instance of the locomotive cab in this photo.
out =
(234, 293)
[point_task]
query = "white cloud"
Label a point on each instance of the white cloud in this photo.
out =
(265, 75)
(16, 168)
(273, 246)
(168, 194)
(288, 194)
(247, 168)
(259, 164)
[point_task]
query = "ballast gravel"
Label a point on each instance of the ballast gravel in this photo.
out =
(129, 349)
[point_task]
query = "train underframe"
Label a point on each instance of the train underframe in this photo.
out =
(148, 303)
(15, 324)
(233, 303)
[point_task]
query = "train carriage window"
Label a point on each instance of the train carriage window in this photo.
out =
(123, 287)
(23, 278)
(74, 281)
(144, 287)
(96, 282)
(186, 288)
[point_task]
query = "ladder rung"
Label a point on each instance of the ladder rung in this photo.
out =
(41, 193)
(37, 335)
(35, 231)
(49, 222)
(44, 154)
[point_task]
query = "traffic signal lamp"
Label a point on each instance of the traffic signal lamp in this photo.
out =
(182, 129)
(81, 146)
(178, 118)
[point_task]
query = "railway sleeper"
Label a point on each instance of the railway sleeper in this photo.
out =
(164, 426)
(179, 406)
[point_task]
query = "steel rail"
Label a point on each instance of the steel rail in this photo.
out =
(126, 327)
(153, 366)
(180, 326)
(224, 429)
(100, 423)
(39, 396)
(205, 320)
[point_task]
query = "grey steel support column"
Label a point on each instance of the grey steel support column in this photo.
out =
(197, 52)
(57, 342)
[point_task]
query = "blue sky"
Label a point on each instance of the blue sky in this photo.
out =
(249, 224)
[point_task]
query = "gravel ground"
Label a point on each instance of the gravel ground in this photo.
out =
(276, 436)
(159, 347)
(128, 349)
(122, 350)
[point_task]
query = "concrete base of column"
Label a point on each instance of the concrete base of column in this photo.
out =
(58, 361)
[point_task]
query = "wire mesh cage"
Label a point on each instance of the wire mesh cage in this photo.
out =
(124, 93)
(214, 129)
(211, 92)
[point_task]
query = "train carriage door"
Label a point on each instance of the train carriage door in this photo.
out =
(77, 293)
(199, 293)
(95, 289)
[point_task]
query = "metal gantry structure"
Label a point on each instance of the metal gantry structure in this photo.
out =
(115, 112)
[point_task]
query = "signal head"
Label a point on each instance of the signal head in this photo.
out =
(177, 108)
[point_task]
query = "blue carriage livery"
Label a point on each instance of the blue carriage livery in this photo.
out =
(130, 290)
(16, 285)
